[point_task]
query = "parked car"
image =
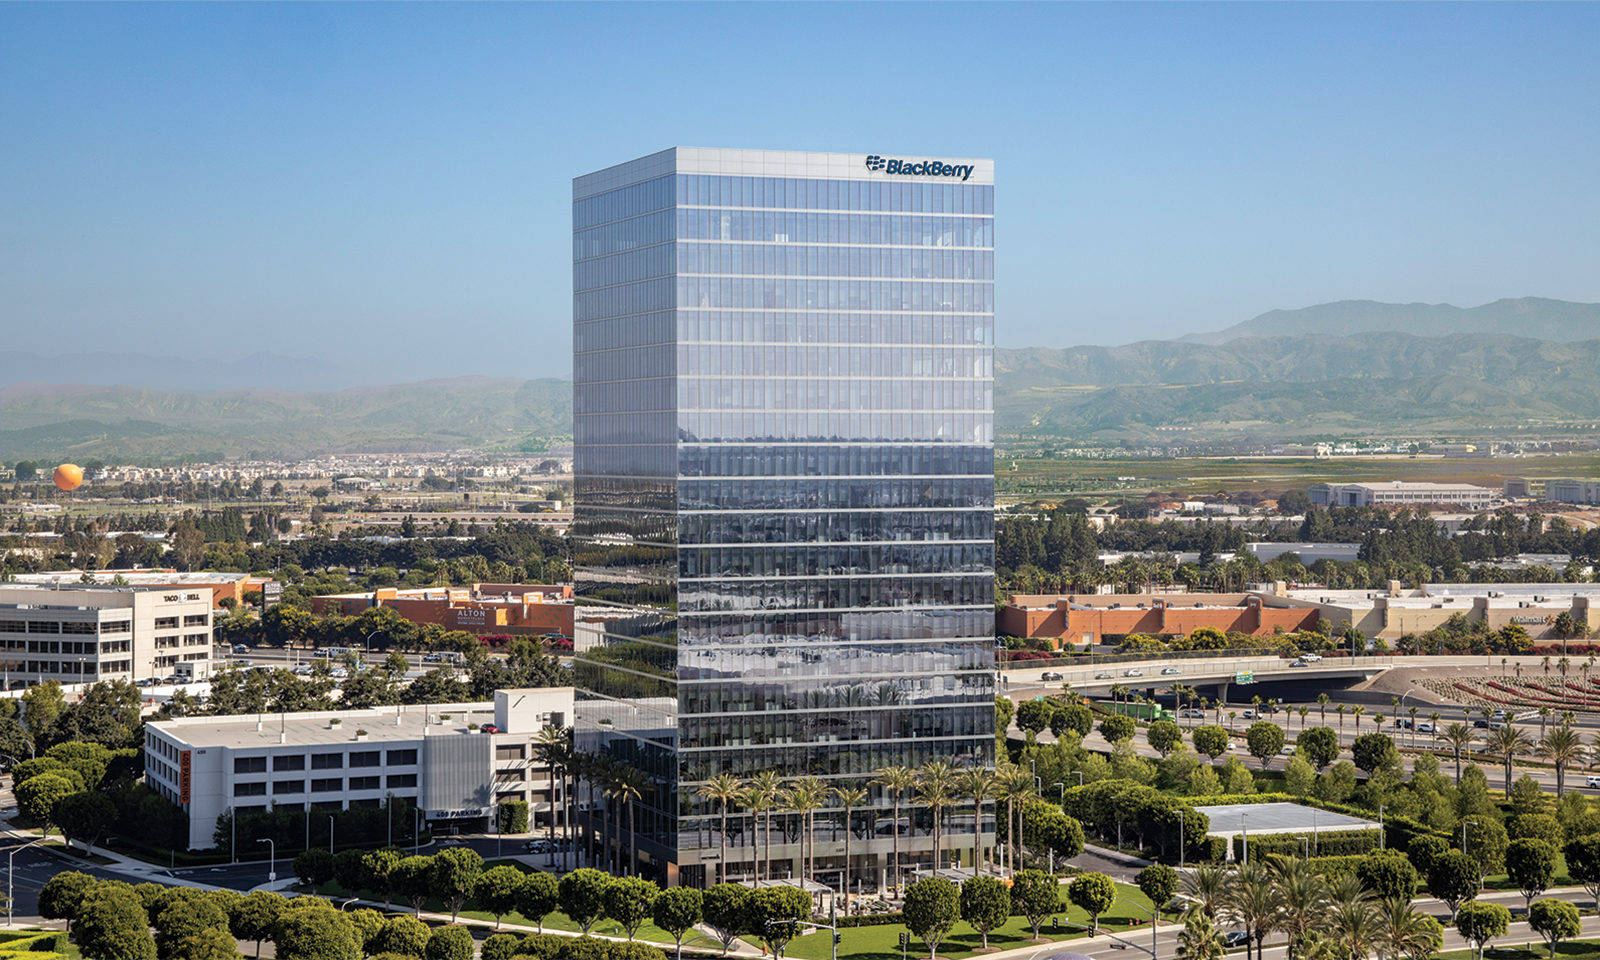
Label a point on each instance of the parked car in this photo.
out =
(431, 658)
(1169, 671)
(1248, 714)
(1235, 938)
(489, 728)
(1591, 781)
(1286, 751)
(240, 648)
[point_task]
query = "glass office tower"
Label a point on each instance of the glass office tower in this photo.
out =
(783, 524)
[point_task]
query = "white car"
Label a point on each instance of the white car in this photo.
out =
(1170, 671)
(1287, 751)
(1133, 673)
(1591, 781)
(1425, 727)
(1248, 714)
(1311, 657)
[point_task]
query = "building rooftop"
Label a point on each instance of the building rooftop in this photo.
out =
(133, 578)
(1266, 818)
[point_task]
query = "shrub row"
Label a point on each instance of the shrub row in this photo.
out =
(550, 946)
(1323, 843)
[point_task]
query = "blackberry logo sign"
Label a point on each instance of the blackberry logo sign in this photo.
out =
(919, 168)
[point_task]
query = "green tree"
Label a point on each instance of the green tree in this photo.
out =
(311, 929)
(1033, 716)
(412, 880)
(1037, 895)
(985, 905)
(676, 910)
(314, 867)
(85, 816)
(1389, 874)
(37, 798)
(1074, 717)
(369, 924)
(499, 946)
(1320, 745)
(1453, 878)
(187, 919)
(499, 891)
(538, 897)
(450, 943)
(725, 913)
(1116, 728)
(403, 936)
(1480, 923)
(63, 893)
(1555, 920)
(1163, 736)
(1374, 751)
(377, 871)
(1210, 740)
(208, 943)
(111, 924)
(932, 907)
(1530, 864)
(1094, 894)
(579, 895)
(1200, 938)
(455, 876)
(255, 916)
(1486, 845)
(1583, 863)
(772, 915)
(1265, 739)
(1158, 882)
(627, 900)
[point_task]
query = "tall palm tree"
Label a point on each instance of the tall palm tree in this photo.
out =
(1563, 747)
(1404, 931)
(896, 781)
(1352, 918)
(627, 785)
(1302, 710)
(1340, 711)
(1413, 712)
(1207, 886)
(936, 791)
(805, 796)
(553, 746)
(1358, 710)
(1200, 939)
(849, 798)
(761, 797)
(1322, 705)
(1506, 742)
(1460, 737)
(1544, 717)
(1302, 899)
(723, 789)
(1253, 899)
(976, 784)
(1013, 785)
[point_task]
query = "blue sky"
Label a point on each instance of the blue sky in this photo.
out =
(392, 183)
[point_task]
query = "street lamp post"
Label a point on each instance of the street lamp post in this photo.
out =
(11, 860)
(330, 834)
(272, 858)
(1380, 826)
(1244, 845)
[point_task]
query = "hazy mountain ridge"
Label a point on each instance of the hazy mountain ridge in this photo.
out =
(1537, 318)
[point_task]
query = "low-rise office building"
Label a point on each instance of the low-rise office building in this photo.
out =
(1397, 493)
(223, 585)
(87, 633)
(1091, 618)
(440, 757)
(484, 609)
(1572, 491)
(1397, 611)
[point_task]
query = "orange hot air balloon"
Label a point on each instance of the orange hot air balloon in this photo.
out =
(69, 476)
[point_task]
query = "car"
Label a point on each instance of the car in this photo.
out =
(1103, 676)
(240, 648)
(1170, 671)
(1232, 747)
(1311, 657)
(1287, 751)
(431, 658)
(489, 728)
(1480, 724)
(1248, 714)
(1133, 673)
(1591, 781)
(1050, 675)
(1299, 663)
(1425, 727)
(1235, 938)
(538, 846)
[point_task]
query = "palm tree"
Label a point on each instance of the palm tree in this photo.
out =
(1013, 785)
(1413, 712)
(1506, 742)
(1253, 899)
(1340, 711)
(1404, 931)
(1207, 886)
(1546, 664)
(1544, 716)
(1200, 939)
(976, 784)
(761, 796)
(553, 746)
(936, 790)
(1460, 737)
(1351, 916)
(1303, 710)
(1358, 710)
(805, 796)
(896, 782)
(723, 789)
(849, 798)
(1563, 747)
(1322, 705)
(1302, 899)
(627, 785)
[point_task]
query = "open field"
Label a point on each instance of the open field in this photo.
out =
(1018, 479)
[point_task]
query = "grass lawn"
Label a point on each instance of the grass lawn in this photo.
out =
(1571, 950)
(883, 942)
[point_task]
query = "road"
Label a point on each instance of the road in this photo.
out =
(33, 867)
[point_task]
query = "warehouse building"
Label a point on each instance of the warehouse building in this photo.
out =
(454, 762)
(484, 609)
(1092, 618)
(1397, 493)
(87, 633)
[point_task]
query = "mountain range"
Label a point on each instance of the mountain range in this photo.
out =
(1336, 369)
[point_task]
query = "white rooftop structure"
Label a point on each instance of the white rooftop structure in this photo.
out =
(1229, 820)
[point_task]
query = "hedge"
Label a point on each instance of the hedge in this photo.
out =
(513, 816)
(1333, 843)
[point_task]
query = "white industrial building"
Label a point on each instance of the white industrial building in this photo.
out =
(437, 756)
(1397, 493)
(87, 633)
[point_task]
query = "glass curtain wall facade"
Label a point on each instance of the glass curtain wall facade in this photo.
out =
(784, 489)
